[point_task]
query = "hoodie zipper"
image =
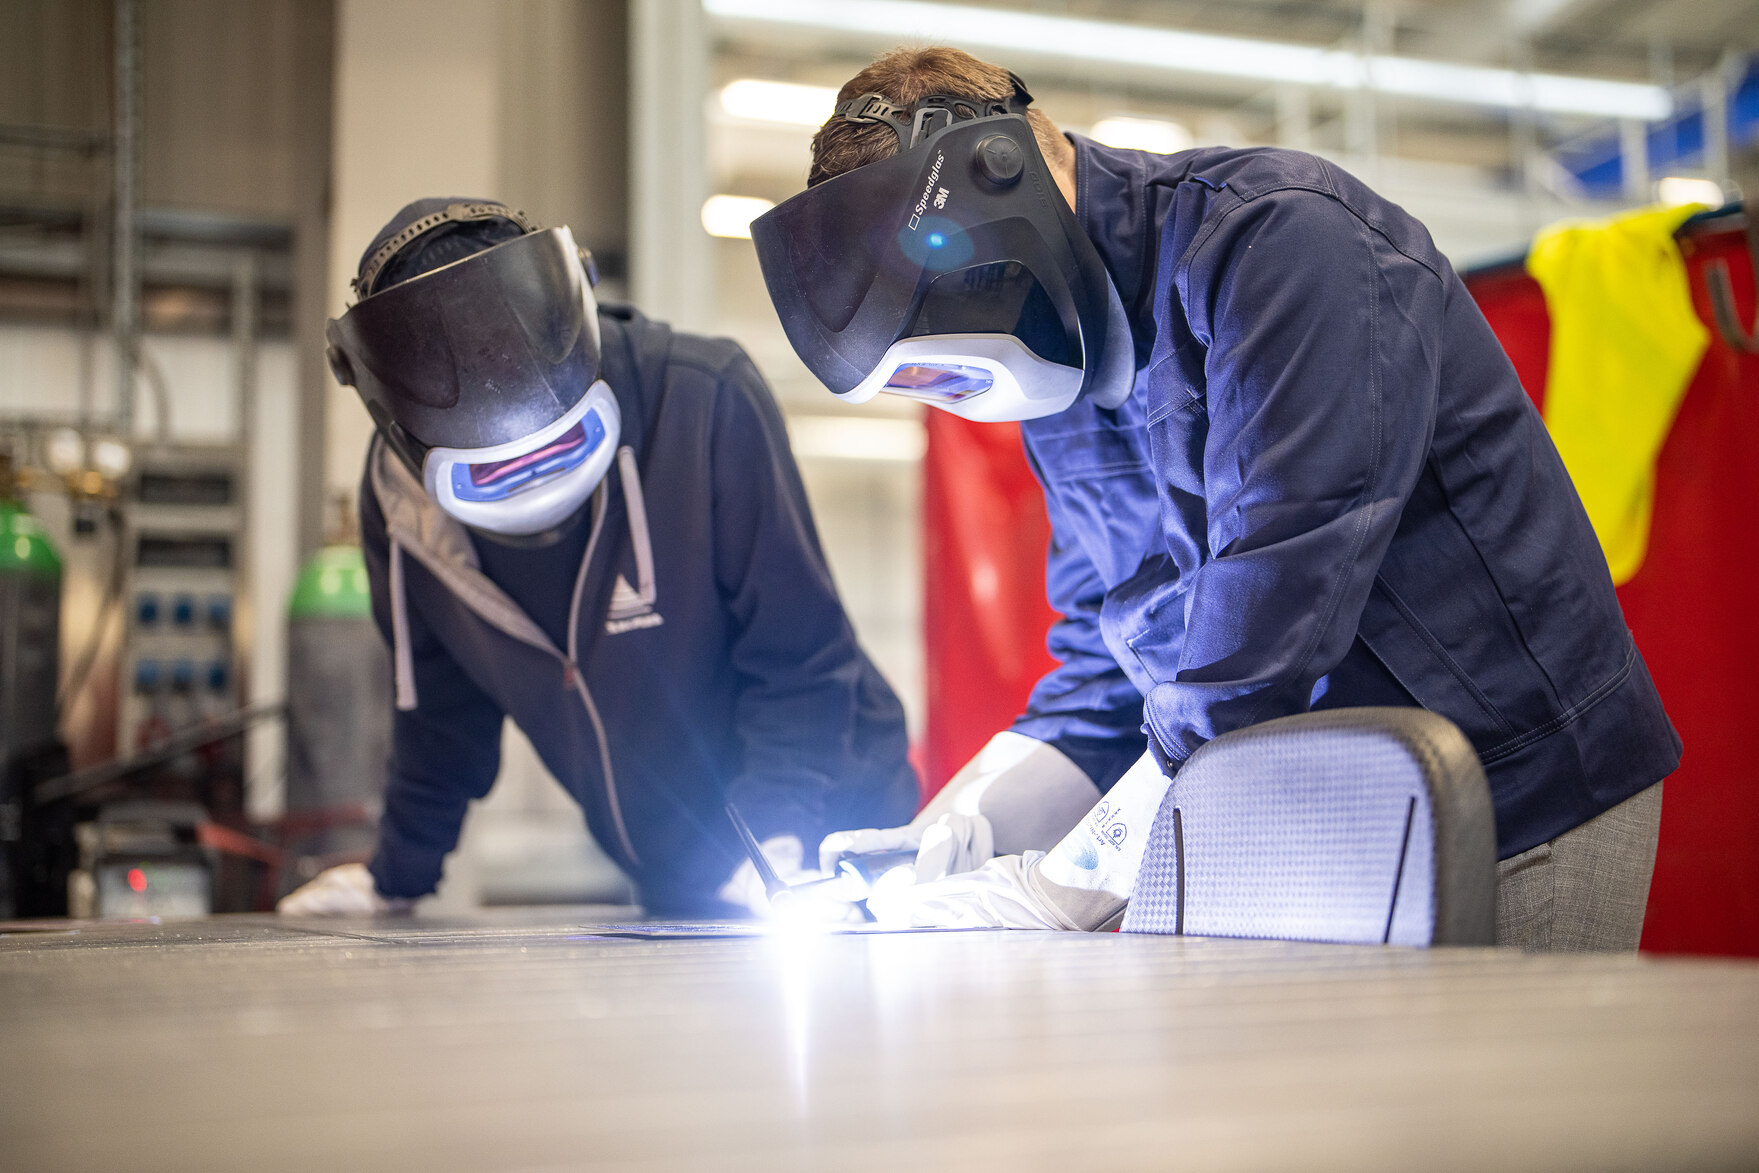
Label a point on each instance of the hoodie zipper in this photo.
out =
(572, 677)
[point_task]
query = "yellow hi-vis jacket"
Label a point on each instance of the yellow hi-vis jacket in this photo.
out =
(1625, 342)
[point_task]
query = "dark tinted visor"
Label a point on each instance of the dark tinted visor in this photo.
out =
(479, 352)
(1002, 297)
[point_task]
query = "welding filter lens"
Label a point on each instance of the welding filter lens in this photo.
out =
(533, 484)
(496, 480)
(938, 382)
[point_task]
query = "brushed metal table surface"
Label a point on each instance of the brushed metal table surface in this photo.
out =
(533, 1042)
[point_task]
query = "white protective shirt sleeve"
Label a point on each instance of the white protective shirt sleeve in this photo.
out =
(1017, 794)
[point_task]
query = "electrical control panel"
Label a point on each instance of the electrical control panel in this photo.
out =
(183, 531)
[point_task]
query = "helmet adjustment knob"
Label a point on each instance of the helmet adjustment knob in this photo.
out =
(1000, 160)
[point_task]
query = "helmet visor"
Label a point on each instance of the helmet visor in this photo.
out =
(1001, 297)
(480, 352)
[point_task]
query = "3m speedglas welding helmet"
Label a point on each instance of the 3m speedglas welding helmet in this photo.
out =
(482, 373)
(953, 272)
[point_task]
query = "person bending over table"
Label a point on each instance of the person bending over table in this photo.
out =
(584, 520)
(1287, 467)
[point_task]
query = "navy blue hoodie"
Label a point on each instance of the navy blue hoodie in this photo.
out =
(711, 662)
(1327, 489)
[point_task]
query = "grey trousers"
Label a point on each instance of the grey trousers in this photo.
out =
(1586, 890)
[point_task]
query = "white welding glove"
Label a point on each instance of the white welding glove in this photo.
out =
(745, 888)
(954, 843)
(1082, 884)
(344, 890)
(998, 895)
(1017, 794)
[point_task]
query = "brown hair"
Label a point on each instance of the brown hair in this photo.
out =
(906, 76)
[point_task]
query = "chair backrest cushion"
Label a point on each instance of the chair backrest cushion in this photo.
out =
(1352, 825)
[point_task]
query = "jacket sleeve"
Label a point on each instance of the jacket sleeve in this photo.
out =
(1321, 383)
(444, 752)
(822, 734)
(1086, 707)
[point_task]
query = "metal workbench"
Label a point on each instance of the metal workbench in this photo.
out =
(534, 1041)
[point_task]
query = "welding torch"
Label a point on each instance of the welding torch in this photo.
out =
(850, 886)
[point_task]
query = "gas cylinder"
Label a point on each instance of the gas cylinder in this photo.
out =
(30, 635)
(338, 710)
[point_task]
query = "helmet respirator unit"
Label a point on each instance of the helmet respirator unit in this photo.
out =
(482, 374)
(952, 272)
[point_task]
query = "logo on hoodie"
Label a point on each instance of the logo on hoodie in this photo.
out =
(628, 610)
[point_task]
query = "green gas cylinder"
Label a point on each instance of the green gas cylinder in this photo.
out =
(30, 631)
(30, 638)
(338, 703)
(332, 585)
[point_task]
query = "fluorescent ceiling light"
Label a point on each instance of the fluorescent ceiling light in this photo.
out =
(1172, 51)
(731, 215)
(853, 437)
(1142, 134)
(778, 101)
(1681, 189)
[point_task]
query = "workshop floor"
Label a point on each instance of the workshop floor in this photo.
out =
(533, 1040)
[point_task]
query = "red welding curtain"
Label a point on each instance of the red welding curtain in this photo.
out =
(1693, 605)
(984, 610)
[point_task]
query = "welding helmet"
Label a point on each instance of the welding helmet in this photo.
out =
(952, 272)
(482, 374)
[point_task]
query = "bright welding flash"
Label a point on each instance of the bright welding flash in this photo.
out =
(807, 907)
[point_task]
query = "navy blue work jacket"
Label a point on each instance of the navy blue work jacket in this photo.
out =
(1328, 489)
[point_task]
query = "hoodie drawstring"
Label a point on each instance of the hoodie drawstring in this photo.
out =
(402, 658)
(636, 506)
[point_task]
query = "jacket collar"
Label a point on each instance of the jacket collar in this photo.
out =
(439, 542)
(1115, 206)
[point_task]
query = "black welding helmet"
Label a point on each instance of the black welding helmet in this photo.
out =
(953, 272)
(483, 374)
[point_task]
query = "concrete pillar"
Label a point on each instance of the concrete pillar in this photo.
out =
(417, 105)
(671, 266)
(563, 131)
(523, 101)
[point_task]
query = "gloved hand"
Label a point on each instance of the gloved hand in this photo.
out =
(345, 890)
(841, 845)
(1017, 794)
(952, 843)
(998, 895)
(745, 887)
(1082, 884)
